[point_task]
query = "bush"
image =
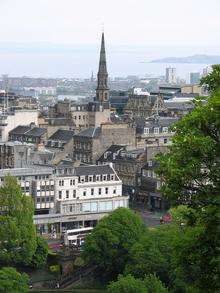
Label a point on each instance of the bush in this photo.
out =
(12, 281)
(127, 284)
(40, 257)
(55, 270)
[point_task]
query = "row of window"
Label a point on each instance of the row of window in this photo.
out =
(46, 188)
(71, 182)
(85, 193)
(67, 194)
(156, 130)
(92, 206)
(92, 178)
(79, 117)
(44, 199)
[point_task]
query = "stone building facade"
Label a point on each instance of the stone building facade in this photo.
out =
(144, 106)
(92, 142)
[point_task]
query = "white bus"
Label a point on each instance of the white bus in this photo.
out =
(76, 236)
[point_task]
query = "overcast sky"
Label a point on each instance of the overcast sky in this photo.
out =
(158, 27)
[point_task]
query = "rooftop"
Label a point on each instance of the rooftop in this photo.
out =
(93, 170)
(62, 135)
(92, 132)
(26, 171)
(28, 130)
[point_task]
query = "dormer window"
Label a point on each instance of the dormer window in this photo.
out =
(82, 179)
(156, 130)
(150, 163)
(146, 130)
(104, 177)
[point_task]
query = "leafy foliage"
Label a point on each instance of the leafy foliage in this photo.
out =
(153, 253)
(108, 245)
(12, 281)
(190, 169)
(55, 269)
(190, 172)
(40, 256)
(17, 231)
(129, 284)
(154, 285)
(212, 80)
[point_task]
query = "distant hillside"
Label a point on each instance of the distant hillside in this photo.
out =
(206, 59)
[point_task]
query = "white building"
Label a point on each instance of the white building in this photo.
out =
(171, 75)
(70, 198)
(10, 120)
(37, 182)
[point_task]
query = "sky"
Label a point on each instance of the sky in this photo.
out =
(62, 37)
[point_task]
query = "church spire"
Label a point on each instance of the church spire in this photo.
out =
(102, 91)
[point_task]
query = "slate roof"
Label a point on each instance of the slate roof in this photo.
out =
(27, 130)
(152, 122)
(93, 170)
(21, 129)
(36, 131)
(62, 135)
(92, 132)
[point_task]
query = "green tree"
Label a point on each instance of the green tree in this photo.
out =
(153, 253)
(17, 231)
(190, 172)
(127, 284)
(212, 80)
(108, 245)
(12, 281)
(182, 215)
(154, 285)
(39, 258)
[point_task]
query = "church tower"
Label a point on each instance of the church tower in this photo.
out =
(102, 90)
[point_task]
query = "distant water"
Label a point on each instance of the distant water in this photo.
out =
(82, 64)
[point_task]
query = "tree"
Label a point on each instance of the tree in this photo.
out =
(152, 254)
(190, 173)
(154, 285)
(182, 215)
(12, 281)
(190, 170)
(108, 245)
(212, 80)
(39, 258)
(17, 231)
(127, 284)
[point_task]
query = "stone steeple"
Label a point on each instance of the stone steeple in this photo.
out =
(102, 90)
